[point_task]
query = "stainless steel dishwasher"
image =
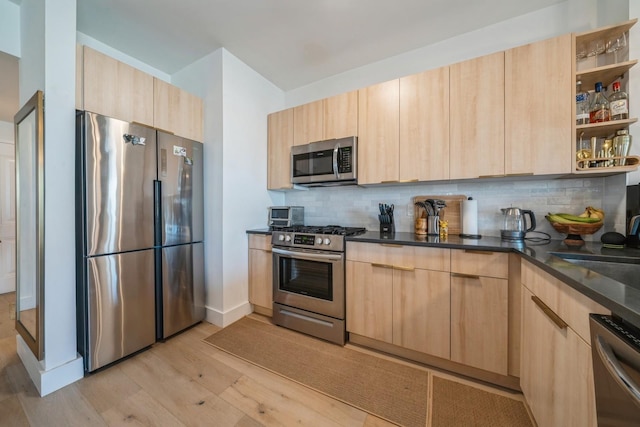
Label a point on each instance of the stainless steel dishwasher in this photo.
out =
(615, 347)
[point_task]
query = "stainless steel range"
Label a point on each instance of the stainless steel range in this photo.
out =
(309, 280)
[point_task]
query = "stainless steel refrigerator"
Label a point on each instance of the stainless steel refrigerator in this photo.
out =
(139, 237)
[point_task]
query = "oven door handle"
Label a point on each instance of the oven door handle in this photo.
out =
(307, 256)
(617, 372)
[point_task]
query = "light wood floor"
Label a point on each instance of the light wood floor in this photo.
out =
(181, 382)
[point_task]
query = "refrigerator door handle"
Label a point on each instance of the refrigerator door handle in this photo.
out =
(157, 207)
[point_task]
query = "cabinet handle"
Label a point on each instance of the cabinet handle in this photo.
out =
(465, 276)
(395, 181)
(390, 245)
(550, 314)
(267, 250)
(492, 176)
(381, 265)
(398, 267)
(478, 251)
(409, 180)
(520, 174)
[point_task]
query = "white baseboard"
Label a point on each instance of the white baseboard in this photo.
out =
(224, 319)
(53, 379)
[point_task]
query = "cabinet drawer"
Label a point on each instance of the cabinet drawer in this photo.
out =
(572, 306)
(260, 241)
(399, 256)
(480, 263)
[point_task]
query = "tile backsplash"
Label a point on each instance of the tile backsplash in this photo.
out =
(358, 206)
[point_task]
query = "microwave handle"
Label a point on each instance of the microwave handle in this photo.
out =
(336, 149)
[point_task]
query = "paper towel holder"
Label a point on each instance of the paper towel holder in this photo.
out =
(464, 235)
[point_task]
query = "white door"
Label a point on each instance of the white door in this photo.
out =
(7, 218)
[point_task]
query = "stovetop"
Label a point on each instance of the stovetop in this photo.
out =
(324, 229)
(324, 238)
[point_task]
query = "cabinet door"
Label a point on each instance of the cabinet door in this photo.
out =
(369, 300)
(479, 322)
(477, 117)
(421, 311)
(115, 89)
(308, 123)
(538, 108)
(424, 126)
(556, 375)
(279, 142)
(177, 111)
(341, 115)
(261, 278)
(378, 129)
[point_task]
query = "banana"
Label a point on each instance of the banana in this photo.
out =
(595, 212)
(564, 218)
(575, 218)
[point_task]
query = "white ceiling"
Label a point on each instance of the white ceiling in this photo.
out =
(290, 42)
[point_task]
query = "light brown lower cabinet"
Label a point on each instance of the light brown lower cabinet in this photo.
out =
(556, 375)
(421, 311)
(480, 322)
(369, 300)
(392, 301)
(260, 274)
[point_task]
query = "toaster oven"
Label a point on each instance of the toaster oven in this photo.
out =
(285, 216)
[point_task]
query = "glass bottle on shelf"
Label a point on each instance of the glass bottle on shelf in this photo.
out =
(582, 105)
(599, 107)
(619, 103)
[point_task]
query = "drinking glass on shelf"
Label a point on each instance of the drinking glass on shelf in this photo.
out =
(616, 44)
(581, 51)
(596, 47)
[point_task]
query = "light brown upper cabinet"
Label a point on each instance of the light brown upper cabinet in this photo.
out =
(177, 111)
(424, 126)
(477, 117)
(308, 123)
(538, 108)
(341, 115)
(115, 89)
(329, 118)
(379, 133)
(279, 142)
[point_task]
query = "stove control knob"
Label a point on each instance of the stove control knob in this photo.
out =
(319, 240)
(287, 238)
(327, 241)
(281, 237)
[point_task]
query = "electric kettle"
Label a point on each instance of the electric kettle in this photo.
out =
(514, 225)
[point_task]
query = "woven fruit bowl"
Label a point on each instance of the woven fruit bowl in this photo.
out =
(574, 231)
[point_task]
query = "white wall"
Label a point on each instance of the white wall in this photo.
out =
(48, 63)
(6, 132)
(10, 28)
(237, 100)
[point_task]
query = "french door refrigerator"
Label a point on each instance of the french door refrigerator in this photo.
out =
(139, 242)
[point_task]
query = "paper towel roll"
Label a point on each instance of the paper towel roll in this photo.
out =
(469, 214)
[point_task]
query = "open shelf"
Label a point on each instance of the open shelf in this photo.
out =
(606, 74)
(605, 33)
(603, 129)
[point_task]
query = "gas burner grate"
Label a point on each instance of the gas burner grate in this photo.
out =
(326, 229)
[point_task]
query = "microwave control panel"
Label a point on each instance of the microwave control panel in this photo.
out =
(345, 160)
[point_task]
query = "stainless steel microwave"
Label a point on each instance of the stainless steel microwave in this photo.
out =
(325, 163)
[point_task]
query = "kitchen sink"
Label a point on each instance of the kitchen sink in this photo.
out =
(622, 269)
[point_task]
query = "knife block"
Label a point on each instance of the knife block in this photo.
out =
(387, 228)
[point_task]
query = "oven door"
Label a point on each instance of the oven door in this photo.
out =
(309, 280)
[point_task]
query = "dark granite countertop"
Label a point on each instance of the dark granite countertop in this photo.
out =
(265, 231)
(621, 298)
